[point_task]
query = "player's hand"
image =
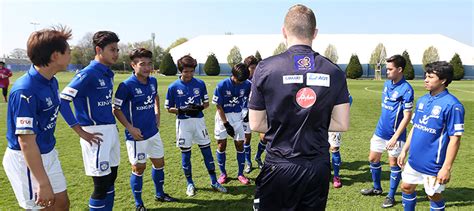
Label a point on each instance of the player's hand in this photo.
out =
(391, 144)
(443, 176)
(136, 133)
(229, 129)
(91, 138)
(401, 159)
(197, 107)
(45, 196)
(183, 110)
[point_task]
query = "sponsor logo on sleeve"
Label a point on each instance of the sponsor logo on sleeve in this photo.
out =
(22, 122)
(292, 79)
(317, 79)
(458, 126)
(25, 97)
(118, 102)
(70, 91)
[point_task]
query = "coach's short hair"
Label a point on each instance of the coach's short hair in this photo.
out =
(103, 38)
(186, 61)
(140, 53)
(42, 44)
(250, 60)
(398, 61)
(442, 69)
(300, 22)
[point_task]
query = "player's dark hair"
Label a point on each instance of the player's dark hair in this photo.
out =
(442, 69)
(103, 38)
(42, 44)
(140, 53)
(250, 60)
(186, 61)
(1, 62)
(240, 72)
(398, 61)
(300, 22)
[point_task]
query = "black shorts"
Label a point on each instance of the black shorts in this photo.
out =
(290, 186)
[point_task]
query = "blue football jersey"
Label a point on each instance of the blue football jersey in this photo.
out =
(91, 92)
(181, 94)
(33, 108)
(137, 102)
(230, 96)
(396, 98)
(435, 119)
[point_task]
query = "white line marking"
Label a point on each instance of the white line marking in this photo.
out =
(369, 90)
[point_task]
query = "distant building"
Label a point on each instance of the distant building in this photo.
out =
(24, 64)
(346, 45)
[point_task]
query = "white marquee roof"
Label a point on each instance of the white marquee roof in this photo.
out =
(346, 45)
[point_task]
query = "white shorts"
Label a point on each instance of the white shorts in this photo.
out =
(235, 120)
(411, 176)
(138, 151)
(334, 139)
(99, 158)
(23, 182)
(246, 126)
(379, 145)
(192, 130)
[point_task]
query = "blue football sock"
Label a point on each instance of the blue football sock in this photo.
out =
(221, 161)
(109, 199)
(240, 162)
(409, 201)
(261, 147)
(97, 204)
(376, 170)
(136, 183)
(209, 162)
(186, 162)
(336, 162)
(248, 152)
(158, 176)
(437, 205)
(395, 176)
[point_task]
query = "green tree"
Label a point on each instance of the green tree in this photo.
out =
(167, 66)
(408, 72)
(430, 55)
(211, 67)
(280, 48)
(176, 43)
(331, 53)
(83, 52)
(234, 56)
(378, 57)
(258, 56)
(457, 66)
(354, 68)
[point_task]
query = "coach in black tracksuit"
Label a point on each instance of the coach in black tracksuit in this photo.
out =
(297, 97)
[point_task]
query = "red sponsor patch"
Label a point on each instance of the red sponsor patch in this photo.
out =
(305, 97)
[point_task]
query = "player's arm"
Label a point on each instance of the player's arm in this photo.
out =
(406, 147)
(135, 132)
(157, 111)
(33, 160)
(340, 118)
(258, 120)
(444, 174)
(407, 113)
(221, 113)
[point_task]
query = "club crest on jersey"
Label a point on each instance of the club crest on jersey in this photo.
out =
(101, 82)
(394, 95)
(242, 92)
(420, 107)
(104, 165)
(303, 62)
(228, 93)
(138, 91)
(152, 88)
(196, 91)
(305, 97)
(435, 111)
(49, 102)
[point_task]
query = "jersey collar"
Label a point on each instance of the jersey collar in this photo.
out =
(439, 95)
(37, 76)
(392, 85)
(300, 49)
(135, 79)
(102, 68)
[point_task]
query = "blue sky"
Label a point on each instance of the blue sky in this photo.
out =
(170, 20)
